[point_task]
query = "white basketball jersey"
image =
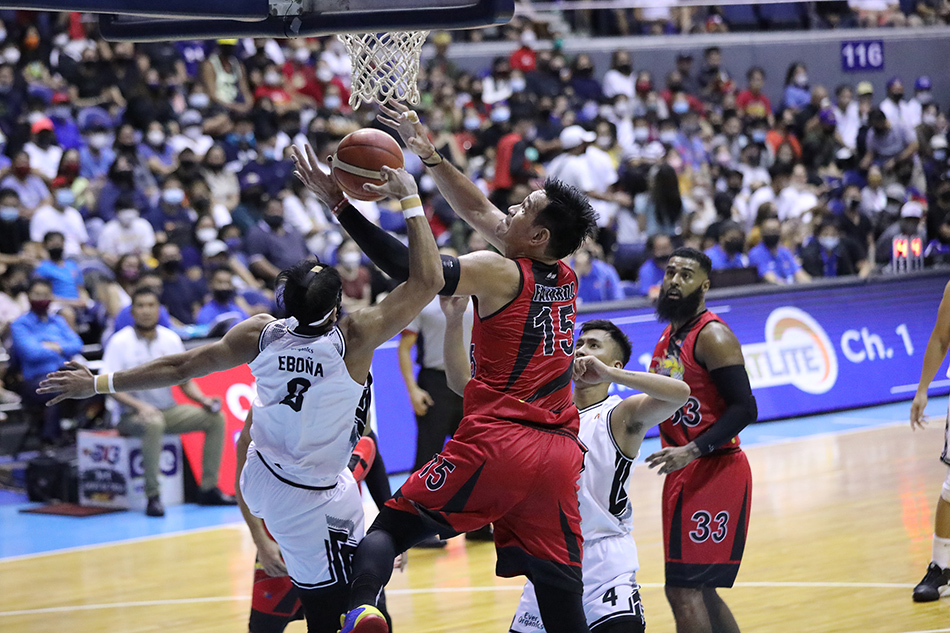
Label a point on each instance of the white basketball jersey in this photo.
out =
(305, 412)
(604, 505)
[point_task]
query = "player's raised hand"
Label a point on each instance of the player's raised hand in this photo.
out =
(590, 370)
(453, 307)
(917, 418)
(73, 381)
(405, 121)
(397, 183)
(307, 169)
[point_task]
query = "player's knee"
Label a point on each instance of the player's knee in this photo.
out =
(945, 491)
(684, 597)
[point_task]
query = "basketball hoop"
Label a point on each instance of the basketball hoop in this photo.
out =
(385, 65)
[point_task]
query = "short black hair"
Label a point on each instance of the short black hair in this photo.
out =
(779, 170)
(615, 334)
(697, 256)
(39, 281)
(145, 290)
(7, 192)
(307, 295)
(125, 200)
(51, 234)
(568, 217)
(753, 70)
(876, 116)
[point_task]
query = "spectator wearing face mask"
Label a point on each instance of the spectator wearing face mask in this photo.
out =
(29, 186)
(727, 253)
(909, 225)
(888, 143)
(752, 102)
(192, 135)
(273, 244)
(222, 304)
(96, 155)
(922, 97)
(899, 112)
(856, 225)
(224, 78)
(524, 58)
(126, 233)
(157, 152)
(43, 148)
(620, 79)
(172, 220)
(63, 274)
(585, 86)
(222, 181)
(596, 279)
(182, 295)
(357, 291)
(776, 263)
(271, 171)
(14, 228)
(797, 93)
(847, 118)
(272, 88)
(14, 283)
(121, 180)
(42, 342)
(651, 272)
(827, 254)
(63, 217)
(497, 85)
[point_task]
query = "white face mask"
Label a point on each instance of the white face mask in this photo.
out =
(206, 234)
(272, 78)
(127, 216)
(801, 79)
(333, 102)
(173, 196)
(155, 137)
(302, 55)
(11, 55)
(193, 132)
(324, 74)
(641, 133)
(98, 140)
(351, 259)
(518, 84)
(199, 101)
(604, 141)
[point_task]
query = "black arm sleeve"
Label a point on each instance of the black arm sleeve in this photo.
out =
(733, 385)
(391, 255)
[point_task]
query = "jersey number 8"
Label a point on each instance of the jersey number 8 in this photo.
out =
(295, 390)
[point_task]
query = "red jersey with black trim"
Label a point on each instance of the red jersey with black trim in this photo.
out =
(523, 354)
(674, 357)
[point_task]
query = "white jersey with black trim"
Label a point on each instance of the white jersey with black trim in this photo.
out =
(604, 505)
(305, 410)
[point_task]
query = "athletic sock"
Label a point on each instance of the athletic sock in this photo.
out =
(941, 552)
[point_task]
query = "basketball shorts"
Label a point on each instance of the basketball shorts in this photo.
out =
(523, 480)
(706, 509)
(945, 455)
(317, 530)
(611, 592)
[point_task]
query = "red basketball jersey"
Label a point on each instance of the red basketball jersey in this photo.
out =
(674, 357)
(523, 354)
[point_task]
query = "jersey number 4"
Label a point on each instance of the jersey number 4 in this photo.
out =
(295, 390)
(565, 318)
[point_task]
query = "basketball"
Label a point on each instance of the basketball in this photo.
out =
(358, 159)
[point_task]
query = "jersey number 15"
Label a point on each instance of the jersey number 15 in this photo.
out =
(565, 335)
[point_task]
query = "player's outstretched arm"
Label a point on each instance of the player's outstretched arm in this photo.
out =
(463, 196)
(457, 368)
(933, 357)
(370, 327)
(238, 346)
(660, 397)
(268, 552)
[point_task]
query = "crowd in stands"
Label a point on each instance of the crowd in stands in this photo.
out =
(167, 166)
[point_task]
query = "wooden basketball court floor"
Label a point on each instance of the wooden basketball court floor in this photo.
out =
(840, 533)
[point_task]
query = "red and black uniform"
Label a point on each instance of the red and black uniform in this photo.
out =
(706, 505)
(515, 459)
(275, 602)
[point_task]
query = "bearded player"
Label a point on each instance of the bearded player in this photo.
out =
(707, 494)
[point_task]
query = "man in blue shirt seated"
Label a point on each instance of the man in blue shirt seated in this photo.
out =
(63, 274)
(221, 306)
(596, 280)
(42, 342)
(775, 263)
(650, 275)
(728, 252)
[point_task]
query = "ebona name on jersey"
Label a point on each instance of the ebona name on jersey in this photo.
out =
(549, 294)
(299, 365)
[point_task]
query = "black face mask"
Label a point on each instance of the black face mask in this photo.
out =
(771, 241)
(274, 221)
(676, 87)
(677, 310)
(223, 296)
(55, 254)
(171, 266)
(122, 177)
(17, 289)
(625, 69)
(734, 246)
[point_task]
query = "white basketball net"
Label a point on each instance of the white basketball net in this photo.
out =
(385, 65)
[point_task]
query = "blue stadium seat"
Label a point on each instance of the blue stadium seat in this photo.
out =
(741, 17)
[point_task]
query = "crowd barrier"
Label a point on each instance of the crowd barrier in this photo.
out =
(809, 349)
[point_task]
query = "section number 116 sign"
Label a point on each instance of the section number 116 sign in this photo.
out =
(862, 55)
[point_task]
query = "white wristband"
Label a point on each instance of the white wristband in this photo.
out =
(103, 383)
(412, 206)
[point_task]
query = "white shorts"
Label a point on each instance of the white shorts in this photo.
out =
(611, 591)
(317, 530)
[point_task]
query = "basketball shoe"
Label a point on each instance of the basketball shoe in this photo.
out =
(936, 583)
(364, 619)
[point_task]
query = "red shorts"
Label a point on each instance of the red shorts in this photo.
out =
(523, 480)
(706, 510)
(274, 603)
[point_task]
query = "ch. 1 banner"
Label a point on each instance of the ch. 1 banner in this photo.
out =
(807, 350)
